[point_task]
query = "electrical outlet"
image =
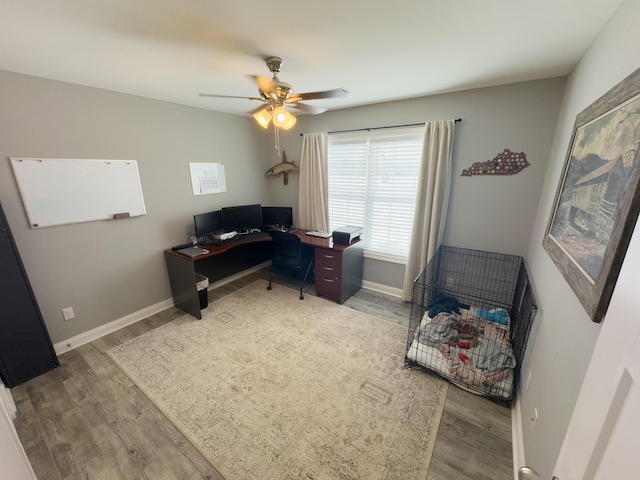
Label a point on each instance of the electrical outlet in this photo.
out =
(534, 419)
(68, 314)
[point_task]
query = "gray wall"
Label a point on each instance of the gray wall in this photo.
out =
(107, 270)
(486, 213)
(116, 268)
(562, 345)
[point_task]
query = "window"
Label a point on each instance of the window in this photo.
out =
(373, 179)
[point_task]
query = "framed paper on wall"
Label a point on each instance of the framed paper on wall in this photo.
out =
(598, 197)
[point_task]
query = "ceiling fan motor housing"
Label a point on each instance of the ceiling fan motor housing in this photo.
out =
(273, 64)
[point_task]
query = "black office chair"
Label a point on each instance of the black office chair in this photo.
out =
(291, 253)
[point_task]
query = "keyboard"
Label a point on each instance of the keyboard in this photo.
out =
(211, 240)
(319, 234)
(240, 236)
(205, 241)
(227, 241)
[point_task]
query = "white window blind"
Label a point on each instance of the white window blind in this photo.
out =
(373, 179)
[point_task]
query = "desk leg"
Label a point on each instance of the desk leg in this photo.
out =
(182, 276)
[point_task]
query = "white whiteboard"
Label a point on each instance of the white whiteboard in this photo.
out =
(59, 191)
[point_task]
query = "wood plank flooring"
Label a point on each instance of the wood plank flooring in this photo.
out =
(86, 420)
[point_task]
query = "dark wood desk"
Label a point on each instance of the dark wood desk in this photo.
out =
(338, 271)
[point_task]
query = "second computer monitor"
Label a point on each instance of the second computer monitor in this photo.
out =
(277, 216)
(242, 217)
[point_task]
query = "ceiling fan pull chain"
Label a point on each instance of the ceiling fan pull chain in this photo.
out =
(277, 137)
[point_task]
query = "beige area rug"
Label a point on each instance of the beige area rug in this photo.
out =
(267, 386)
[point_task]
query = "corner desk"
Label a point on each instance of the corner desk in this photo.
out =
(338, 268)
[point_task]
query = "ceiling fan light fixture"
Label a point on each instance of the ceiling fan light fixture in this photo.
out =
(263, 117)
(283, 119)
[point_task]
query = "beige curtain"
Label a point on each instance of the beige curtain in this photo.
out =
(313, 195)
(432, 201)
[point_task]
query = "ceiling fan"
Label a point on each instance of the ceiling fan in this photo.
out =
(276, 94)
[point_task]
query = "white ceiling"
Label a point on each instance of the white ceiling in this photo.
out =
(378, 50)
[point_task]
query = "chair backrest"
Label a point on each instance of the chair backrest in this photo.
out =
(289, 249)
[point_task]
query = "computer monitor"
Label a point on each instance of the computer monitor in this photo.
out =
(208, 223)
(241, 217)
(277, 216)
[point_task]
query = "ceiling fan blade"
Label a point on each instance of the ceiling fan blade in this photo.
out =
(265, 84)
(307, 108)
(256, 110)
(336, 93)
(228, 96)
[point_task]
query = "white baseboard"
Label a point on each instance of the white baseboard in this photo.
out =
(15, 463)
(517, 443)
(6, 399)
(107, 328)
(386, 289)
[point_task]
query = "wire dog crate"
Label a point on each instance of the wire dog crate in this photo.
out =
(471, 315)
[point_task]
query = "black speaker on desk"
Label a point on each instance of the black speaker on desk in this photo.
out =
(346, 235)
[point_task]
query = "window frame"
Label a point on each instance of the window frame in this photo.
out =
(408, 143)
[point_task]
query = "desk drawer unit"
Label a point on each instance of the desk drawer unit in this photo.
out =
(338, 272)
(328, 273)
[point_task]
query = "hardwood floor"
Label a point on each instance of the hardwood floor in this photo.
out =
(86, 420)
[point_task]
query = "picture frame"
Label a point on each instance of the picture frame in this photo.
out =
(598, 197)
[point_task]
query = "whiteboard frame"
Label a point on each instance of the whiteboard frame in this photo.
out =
(62, 191)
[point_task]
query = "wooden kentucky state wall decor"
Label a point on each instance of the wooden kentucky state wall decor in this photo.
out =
(505, 163)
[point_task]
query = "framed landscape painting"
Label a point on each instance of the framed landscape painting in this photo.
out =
(598, 198)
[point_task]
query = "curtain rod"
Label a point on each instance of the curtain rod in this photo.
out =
(457, 120)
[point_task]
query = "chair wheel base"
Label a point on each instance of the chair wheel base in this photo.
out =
(301, 297)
